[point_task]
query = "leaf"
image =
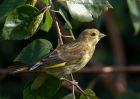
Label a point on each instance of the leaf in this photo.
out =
(69, 96)
(134, 7)
(44, 1)
(8, 5)
(48, 22)
(34, 25)
(31, 2)
(90, 94)
(18, 21)
(46, 91)
(34, 51)
(87, 10)
(69, 26)
(39, 81)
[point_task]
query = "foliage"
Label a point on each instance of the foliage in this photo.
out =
(86, 10)
(34, 51)
(134, 7)
(90, 93)
(21, 23)
(51, 85)
(7, 6)
(24, 21)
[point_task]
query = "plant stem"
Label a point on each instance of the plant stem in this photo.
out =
(76, 85)
(60, 41)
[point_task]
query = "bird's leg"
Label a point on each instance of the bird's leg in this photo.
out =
(75, 84)
(73, 92)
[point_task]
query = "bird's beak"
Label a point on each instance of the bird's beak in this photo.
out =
(102, 35)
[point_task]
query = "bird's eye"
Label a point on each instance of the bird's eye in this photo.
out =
(93, 34)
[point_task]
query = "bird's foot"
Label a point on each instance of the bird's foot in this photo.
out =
(75, 84)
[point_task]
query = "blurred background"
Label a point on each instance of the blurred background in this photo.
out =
(113, 72)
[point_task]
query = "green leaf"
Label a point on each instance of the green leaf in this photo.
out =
(46, 91)
(48, 22)
(34, 25)
(45, 2)
(18, 22)
(39, 81)
(87, 10)
(90, 94)
(69, 96)
(8, 5)
(69, 26)
(34, 51)
(134, 7)
(31, 2)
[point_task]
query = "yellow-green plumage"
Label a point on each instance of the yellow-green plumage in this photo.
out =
(70, 57)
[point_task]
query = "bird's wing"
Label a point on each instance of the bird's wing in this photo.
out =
(49, 61)
(73, 50)
(60, 56)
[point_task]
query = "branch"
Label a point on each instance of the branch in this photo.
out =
(111, 69)
(96, 69)
(4, 71)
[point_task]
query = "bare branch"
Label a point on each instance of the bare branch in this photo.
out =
(96, 69)
(111, 69)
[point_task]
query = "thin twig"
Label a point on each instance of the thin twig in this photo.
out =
(111, 69)
(67, 36)
(76, 85)
(53, 10)
(57, 25)
(71, 33)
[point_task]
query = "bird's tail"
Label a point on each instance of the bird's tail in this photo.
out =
(17, 69)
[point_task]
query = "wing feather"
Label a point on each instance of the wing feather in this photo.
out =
(63, 55)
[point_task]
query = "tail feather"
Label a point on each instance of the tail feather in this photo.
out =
(17, 69)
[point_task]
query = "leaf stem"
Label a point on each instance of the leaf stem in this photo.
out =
(60, 41)
(71, 33)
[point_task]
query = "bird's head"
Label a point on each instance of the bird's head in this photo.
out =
(91, 35)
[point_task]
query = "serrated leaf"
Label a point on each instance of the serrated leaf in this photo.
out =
(18, 21)
(134, 7)
(87, 10)
(48, 22)
(34, 51)
(46, 91)
(8, 5)
(90, 94)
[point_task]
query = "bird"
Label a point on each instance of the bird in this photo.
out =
(68, 58)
